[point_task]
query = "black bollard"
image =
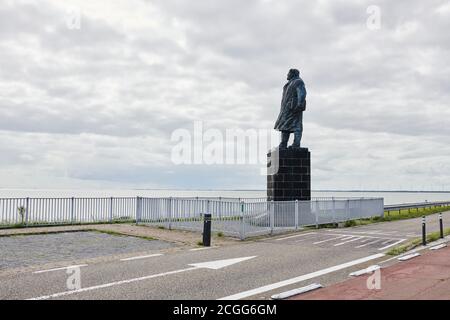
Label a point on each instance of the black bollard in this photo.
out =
(424, 232)
(441, 225)
(207, 230)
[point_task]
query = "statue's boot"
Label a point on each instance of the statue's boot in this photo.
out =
(294, 146)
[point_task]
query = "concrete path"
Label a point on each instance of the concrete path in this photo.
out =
(423, 277)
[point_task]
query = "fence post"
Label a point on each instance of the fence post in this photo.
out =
(170, 212)
(72, 201)
(347, 209)
(242, 231)
(138, 209)
(110, 209)
(333, 212)
(317, 214)
(272, 216)
(26, 211)
(296, 214)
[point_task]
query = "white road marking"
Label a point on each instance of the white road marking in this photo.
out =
(392, 244)
(390, 238)
(368, 244)
(308, 276)
(365, 271)
(142, 257)
(200, 249)
(298, 235)
(367, 233)
(323, 241)
(409, 256)
(345, 242)
(219, 264)
(295, 292)
(62, 268)
(215, 265)
(443, 245)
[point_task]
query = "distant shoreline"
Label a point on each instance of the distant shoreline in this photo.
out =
(229, 190)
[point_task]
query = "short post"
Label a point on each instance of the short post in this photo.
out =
(296, 214)
(424, 232)
(441, 226)
(241, 218)
(207, 230)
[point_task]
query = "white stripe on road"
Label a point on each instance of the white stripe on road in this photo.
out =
(66, 293)
(295, 292)
(370, 237)
(62, 268)
(409, 256)
(367, 233)
(393, 244)
(441, 246)
(212, 265)
(200, 249)
(342, 243)
(308, 276)
(142, 257)
(298, 235)
(368, 244)
(323, 241)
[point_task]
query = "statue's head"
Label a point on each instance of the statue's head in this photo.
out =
(293, 73)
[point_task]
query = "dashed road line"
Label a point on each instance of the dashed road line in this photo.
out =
(295, 236)
(348, 241)
(367, 244)
(393, 244)
(62, 268)
(295, 292)
(142, 257)
(409, 256)
(327, 240)
(200, 249)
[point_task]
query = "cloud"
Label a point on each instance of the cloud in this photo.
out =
(97, 106)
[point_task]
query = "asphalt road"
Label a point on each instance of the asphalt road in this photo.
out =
(260, 268)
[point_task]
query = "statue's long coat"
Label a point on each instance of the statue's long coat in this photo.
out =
(293, 104)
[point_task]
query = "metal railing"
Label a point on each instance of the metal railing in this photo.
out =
(419, 205)
(235, 217)
(243, 219)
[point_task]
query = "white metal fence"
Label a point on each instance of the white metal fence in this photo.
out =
(234, 217)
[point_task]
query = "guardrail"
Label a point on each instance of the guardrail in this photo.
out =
(417, 206)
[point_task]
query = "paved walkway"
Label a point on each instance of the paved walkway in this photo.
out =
(425, 277)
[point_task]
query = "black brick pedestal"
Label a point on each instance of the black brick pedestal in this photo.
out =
(291, 178)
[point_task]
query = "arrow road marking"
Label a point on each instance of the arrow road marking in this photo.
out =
(219, 264)
(214, 265)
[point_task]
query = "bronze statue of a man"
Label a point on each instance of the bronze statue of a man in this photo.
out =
(293, 104)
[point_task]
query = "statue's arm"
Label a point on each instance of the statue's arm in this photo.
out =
(301, 96)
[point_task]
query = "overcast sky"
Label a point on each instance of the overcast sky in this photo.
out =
(95, 106)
